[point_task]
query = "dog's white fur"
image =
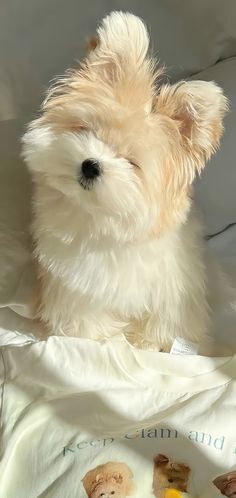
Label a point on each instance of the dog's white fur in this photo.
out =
(126, 254)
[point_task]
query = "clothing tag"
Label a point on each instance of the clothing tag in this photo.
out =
(181, 346)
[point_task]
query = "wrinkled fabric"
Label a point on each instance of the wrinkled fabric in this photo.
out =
(69, 405)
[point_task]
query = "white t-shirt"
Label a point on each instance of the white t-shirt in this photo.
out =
(70, 405)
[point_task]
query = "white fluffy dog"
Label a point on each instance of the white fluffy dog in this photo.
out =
(113, 157)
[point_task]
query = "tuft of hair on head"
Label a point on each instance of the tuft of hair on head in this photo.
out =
(117, 64)
(124, 35)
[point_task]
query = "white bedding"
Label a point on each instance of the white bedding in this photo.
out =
(69, 405)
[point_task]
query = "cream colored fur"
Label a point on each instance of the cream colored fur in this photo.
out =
(127, 253)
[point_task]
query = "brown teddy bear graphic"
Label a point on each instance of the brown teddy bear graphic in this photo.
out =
(111, 480)
(169, 475)
(226, 483)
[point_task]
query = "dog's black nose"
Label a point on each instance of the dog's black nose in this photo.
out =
(91, 168)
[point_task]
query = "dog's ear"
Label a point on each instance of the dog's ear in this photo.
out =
(198, 108)
(120, 60)
(122, 40)
(192, 113)
(116, 65)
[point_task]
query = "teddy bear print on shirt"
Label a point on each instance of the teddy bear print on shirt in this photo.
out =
(110, 480)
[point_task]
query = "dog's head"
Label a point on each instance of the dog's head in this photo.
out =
(122, 148)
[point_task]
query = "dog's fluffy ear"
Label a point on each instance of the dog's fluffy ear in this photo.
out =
(198, 107)
(116, 67)
(193, 113)
(121, 37)
(119, 59)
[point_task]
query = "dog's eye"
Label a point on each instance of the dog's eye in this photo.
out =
(170, 480)
(113, 492)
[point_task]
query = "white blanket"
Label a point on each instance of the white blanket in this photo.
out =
(69, 405)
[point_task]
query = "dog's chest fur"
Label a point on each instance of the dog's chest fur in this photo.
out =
(128, 279)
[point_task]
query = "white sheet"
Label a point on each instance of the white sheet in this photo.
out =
(69, 405)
